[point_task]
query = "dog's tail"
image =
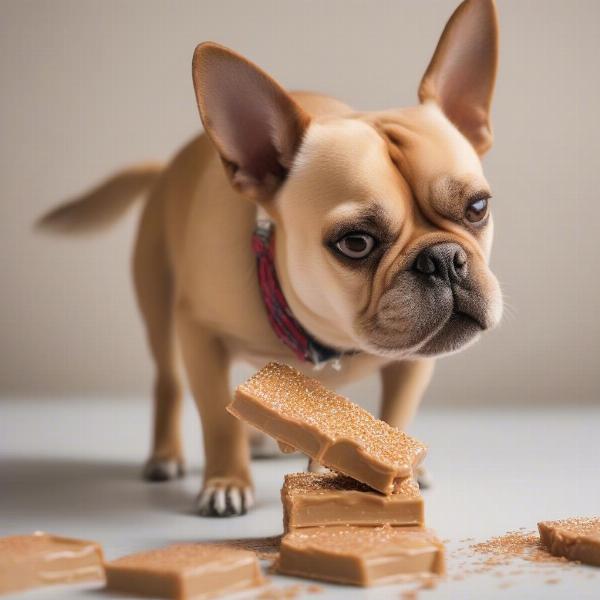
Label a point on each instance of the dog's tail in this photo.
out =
(105, 204)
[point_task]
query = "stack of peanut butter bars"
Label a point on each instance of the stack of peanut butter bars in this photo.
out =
(361, 523)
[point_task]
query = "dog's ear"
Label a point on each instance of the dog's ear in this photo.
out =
(255, 125)
(461, 75)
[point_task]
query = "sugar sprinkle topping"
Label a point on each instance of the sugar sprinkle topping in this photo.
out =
(321, 483)
(292, 394)
(578, 526)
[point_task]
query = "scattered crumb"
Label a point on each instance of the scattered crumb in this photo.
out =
(497, 557)
(521, 544)
(425, 583)
(277, 593)
(429, 583)
(289, 592)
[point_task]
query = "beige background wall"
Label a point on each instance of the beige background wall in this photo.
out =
(86, 87)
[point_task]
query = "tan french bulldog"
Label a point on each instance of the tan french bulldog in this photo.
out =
(371, 254)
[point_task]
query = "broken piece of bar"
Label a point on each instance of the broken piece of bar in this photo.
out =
(576, 539)
(324, 499)
(300, 412)
(362, 556)
(185, 572)
(28, 561)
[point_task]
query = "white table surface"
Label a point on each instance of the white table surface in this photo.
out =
(73, 468)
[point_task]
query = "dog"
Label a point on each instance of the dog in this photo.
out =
(299, 230)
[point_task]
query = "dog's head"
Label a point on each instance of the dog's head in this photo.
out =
(383, 220)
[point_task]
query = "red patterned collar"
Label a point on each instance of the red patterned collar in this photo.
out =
(304, 345)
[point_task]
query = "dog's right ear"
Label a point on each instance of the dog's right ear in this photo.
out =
(254, 123)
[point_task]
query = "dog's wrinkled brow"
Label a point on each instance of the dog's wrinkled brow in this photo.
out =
(457, 189)
(372, 219)
(450, 193)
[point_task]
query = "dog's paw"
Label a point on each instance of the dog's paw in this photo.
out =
(223, 497)
(316, 467)
(263, 446)
(163, 470)
(423, 478)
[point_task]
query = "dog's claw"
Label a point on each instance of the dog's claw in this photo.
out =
(163, 470)
(204, 499)
(235, 497)
(220, 500)
(220, 503)
(248, 498)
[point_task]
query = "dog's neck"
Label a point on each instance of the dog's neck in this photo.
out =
(287, 328)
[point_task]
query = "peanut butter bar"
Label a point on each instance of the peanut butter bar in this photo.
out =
(185, 572)
(576, 539)
(362, 556)
(28, 561)
(324, 499)
(300, 412)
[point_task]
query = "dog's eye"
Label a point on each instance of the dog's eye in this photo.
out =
(477, 210)
(356, 245)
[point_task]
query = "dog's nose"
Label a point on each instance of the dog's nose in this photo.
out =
(447, 262)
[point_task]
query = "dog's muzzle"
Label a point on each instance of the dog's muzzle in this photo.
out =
(447, 264)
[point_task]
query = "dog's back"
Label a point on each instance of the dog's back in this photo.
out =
(194, 237)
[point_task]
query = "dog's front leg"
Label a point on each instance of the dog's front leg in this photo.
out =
(227, 487)
(403, 386)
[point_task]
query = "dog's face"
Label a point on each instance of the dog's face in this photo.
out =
(383, 220)
(387, 230)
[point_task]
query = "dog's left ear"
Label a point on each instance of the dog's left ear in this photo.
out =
(461, 75)
(255, 124)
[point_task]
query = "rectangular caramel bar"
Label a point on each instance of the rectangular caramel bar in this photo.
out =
(362, 556)
(185, 572)
(323, 499)
(575, 539)
(28, 561)
(300, 412)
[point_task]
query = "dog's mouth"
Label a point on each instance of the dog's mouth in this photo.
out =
(460, 330)
(412, 320)
(457, 331)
